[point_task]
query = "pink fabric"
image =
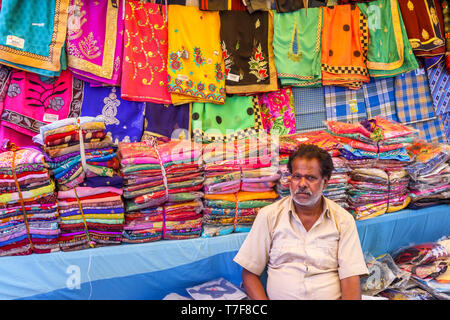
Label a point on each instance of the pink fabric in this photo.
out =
(89, 43)
(87, 191)
(33, 101)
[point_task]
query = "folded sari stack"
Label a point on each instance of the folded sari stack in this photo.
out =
(430, 174)
(336, 189)
(239, 181)
(79, 149)
(375, 150)
(282, 187)
(90, 217)
(28, 211)
(162, 190)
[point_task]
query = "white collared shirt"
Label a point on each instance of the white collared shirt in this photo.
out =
(303, 264)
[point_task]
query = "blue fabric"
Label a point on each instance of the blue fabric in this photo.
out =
(124, 119)
(168, 121)
(414, 105)
(376, 98)
(310, 112)
(439, 81)
(153, 270)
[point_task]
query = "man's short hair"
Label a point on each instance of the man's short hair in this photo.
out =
(310, 151)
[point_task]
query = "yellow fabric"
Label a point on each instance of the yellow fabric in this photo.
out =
(94, 126)
(195, 63)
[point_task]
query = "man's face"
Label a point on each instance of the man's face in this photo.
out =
(307, 183)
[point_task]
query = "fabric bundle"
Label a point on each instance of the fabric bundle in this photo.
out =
(239, 180)
(78, 149)
(439, 83)
(429, 264)
(28, 210)
(336, 189)
(375, 150)
(162, 190)
(430, 174)
(90, 217)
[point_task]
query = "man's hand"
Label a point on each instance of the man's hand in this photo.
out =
(351, 288)
(253, 286)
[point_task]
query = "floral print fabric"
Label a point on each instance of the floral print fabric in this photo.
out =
(277, 112)
(195, 61)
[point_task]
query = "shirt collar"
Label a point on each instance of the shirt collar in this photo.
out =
(326, 209)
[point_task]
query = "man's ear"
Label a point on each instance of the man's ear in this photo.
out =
(325, 183)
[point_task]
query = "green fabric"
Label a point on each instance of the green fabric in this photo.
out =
(17, 18)
(236, 119)
(175, 185)
(382, 35)
(296, 45)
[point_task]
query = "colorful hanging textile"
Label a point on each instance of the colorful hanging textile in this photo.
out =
(195, 60)
(310, 112)
(389, 52)
(294, 5)
(344, 46)
(446, 15)
(144, 67)
(94, 40)
(167, 121)
(124, 119)
(248, 53)
(414, 105)
(33, 34)
(277, 112)
(33, 101)
(376, 98)
(256, 5)
(240, 117)
(439, 81)
(297, 47)
(425, 27)
(220, 5)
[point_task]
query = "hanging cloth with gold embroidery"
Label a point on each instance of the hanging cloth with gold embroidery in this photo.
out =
(94, 40)
(425, 27)
(297, 47)
(389, 52)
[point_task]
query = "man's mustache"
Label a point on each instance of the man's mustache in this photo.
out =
(303, 191)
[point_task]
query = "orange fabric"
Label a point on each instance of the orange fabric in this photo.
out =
(345, 37)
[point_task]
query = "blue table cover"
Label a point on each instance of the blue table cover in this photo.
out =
(152, 270)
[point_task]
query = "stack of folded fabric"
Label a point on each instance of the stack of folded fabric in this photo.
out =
(90, 217)
(233, 212)
(375, 150)
(282, 186)
(429, 173)
(162, 190)
(72, 161)
(336, 189)
(240, 180)
(28, 211)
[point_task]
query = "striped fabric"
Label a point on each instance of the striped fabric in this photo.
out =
(414, 105)
(439, 81)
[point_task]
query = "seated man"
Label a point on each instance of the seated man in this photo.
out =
(309, 243)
